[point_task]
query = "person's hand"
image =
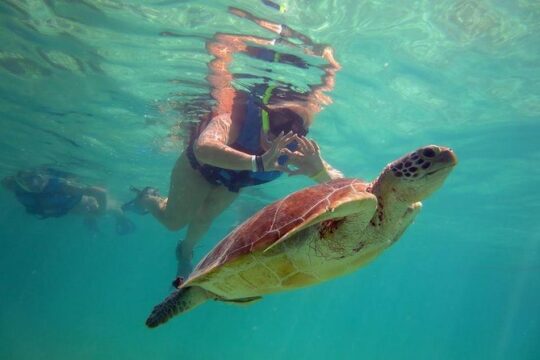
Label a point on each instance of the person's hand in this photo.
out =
(305, 160)
(277, 146)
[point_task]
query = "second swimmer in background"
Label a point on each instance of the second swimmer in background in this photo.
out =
(47, 193)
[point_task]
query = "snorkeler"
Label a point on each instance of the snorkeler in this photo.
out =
(49, 193)
(249, 138)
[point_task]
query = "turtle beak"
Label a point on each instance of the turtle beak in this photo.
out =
(447, 156)
(441, 157)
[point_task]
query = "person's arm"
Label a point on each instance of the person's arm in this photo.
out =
(327, 173)
(211, 147)
(307, 160)
(98, 193)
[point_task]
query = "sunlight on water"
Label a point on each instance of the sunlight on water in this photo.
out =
(108, 90)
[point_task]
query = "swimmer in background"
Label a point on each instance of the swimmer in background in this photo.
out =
(249, 138)
(49, 193)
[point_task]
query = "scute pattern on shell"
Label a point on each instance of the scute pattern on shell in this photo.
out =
(275, 220)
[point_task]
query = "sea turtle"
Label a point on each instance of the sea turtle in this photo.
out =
(312, 235)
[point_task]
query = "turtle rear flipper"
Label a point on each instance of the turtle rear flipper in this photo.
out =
(179, 301)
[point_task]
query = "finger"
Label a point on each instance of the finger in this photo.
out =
(292, 155)
(280, 136)
(306, 146)
(315, 145)
(288, 138)
(278, 139)
(310, 146)
(275, 144)
(286, 152)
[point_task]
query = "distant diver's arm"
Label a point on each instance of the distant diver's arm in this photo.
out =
(98, 193)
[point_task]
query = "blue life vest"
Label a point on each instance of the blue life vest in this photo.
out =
(248, 141)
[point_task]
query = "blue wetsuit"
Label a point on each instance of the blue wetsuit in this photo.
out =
(52, 201)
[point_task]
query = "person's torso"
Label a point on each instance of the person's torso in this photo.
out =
(247, 130)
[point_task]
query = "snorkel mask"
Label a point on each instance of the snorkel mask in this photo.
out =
(296, 125)
(287, 121)
(31, 181)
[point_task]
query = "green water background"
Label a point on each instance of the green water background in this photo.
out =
(87, 87)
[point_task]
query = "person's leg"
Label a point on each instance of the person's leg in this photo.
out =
(215, 203)
(187, 192)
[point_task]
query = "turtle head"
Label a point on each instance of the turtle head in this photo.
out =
(417, 175)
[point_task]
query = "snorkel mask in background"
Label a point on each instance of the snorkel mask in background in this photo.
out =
(31, 181)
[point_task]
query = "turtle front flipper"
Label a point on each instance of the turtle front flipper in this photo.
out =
(407, 219)
(361, 204)
(179, 301)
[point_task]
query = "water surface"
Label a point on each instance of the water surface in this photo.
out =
(95, 88)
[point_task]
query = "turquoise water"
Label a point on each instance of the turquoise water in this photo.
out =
(92, 88)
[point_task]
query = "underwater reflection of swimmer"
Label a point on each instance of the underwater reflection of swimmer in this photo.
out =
(251, 136)
(49, 193)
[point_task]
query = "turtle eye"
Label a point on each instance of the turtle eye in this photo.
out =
(429, 152)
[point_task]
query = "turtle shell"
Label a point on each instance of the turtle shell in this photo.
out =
(276, 220)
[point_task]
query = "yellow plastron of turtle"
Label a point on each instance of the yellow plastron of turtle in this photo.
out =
(312, 235)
